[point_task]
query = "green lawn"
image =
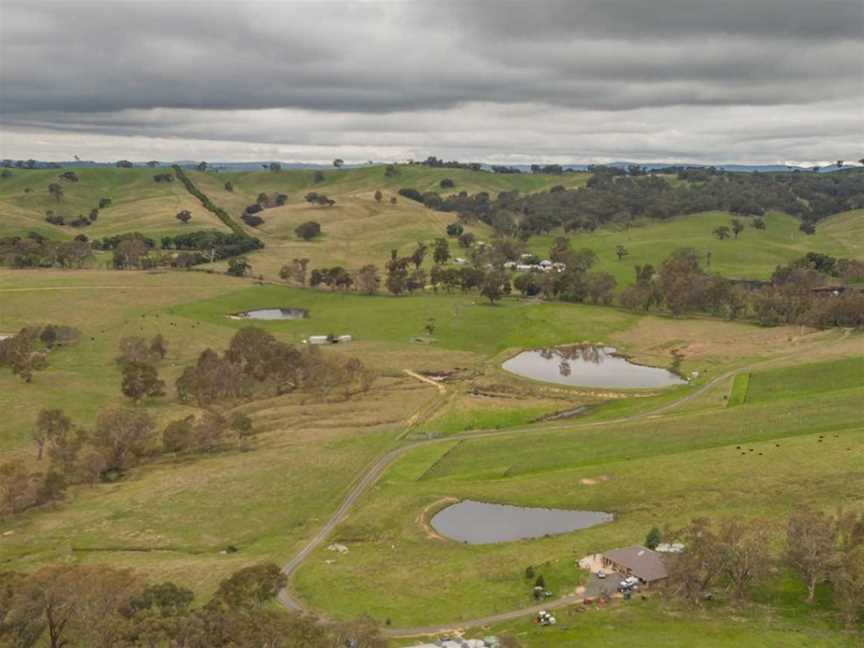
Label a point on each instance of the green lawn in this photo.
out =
(738, 394)
(462, 322)
(806, 380)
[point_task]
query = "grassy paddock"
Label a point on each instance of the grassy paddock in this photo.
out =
(738, 393)
(657, 471)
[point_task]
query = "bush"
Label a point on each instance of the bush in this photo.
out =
(308, 230)
(411, 194)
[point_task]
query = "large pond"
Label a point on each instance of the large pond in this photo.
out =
(274, 314)
(481, 523)
(589, 366)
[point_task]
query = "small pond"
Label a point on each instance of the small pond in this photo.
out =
(589, 366)
(274, 314)
(481, 523)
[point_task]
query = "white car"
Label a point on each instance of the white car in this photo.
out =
(601, 574)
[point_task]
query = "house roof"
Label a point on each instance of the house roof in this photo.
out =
(644, 563)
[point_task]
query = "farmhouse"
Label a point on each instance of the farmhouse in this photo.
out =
(636, 560)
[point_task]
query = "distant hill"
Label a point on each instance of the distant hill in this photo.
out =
(525, 168)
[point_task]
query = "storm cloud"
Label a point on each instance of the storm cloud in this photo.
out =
(553, 80)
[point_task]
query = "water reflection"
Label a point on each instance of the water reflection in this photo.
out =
(482, 523)
(587, 365)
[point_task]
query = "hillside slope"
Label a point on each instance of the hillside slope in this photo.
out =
(137, 203)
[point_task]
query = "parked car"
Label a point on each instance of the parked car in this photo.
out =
(601, 574)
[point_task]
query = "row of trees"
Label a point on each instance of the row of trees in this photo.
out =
(98, 606)
(120, 439)
(736, 555)
(36, 251)
(680, 285)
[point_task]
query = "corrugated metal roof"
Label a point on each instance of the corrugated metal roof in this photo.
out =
(644, 563)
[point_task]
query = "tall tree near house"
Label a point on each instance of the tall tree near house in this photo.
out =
(51, 424)
(495, 285)
(653, 538)
(694, 572)
(744, 548)
(811, 547)
(441, 251)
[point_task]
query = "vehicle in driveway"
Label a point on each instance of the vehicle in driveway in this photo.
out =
(601, 574)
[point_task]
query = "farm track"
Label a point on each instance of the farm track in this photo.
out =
(377, 468)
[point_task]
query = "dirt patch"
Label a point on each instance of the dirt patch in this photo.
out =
(593, 481)
(427, 513)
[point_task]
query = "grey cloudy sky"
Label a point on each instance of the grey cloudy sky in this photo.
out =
(760, 81)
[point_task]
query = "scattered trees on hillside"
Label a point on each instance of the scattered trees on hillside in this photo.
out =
(319, 199)
(455, 230)
(35, 251)
(338, 162)
(378, 196)
(184, 216)
(55, 191)
(27, 351)
(621, 252)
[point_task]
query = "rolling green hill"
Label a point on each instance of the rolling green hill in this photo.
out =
(137, 203)
(753, 255)
(358, 229)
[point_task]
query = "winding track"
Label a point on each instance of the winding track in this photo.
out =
(372, 474)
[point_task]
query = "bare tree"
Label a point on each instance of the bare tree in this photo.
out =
(744, 549)
(811, 547)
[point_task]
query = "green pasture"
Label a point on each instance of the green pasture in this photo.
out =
(753, 255)
(764, 460)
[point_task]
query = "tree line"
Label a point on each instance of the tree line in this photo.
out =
(611, 196)
(99, 606)
(681, 285)
(734, 556)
